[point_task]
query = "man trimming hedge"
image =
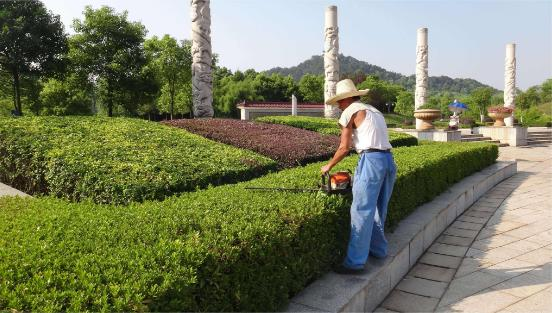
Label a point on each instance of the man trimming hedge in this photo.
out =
(363, 126)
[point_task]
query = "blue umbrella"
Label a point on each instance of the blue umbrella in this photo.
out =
(457, 107)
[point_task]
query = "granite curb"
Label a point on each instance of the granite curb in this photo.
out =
(6, 190)
(411, 238)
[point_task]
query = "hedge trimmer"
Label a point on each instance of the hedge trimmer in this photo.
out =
(338, 183)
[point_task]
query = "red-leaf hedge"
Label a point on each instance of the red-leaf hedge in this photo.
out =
(289, 146)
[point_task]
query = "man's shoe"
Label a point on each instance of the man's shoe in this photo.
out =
(347, 271)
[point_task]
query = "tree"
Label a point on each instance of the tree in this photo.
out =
(497, 99)
(381, 92)
(546, 91)
(274, 87)
(481, 98)
(110, 48)
(6, 94)
(531, 97)
(311, 88)
(231, 92)
(32, 42)
(172, 63)
(65, 97)
(405, 103)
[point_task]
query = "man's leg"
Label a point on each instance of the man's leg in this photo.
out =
(368, 180)
(378, 245)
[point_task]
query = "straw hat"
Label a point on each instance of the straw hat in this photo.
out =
(345, 89)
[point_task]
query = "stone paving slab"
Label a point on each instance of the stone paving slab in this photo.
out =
(524, 285)
(510, 268)
(423, 287)
(406, 302)
(484, 302)
(477, 213)
(470, 265)
(454, 240)
(451, 250)
(539, 302)
(458, 232)
(432, 272)
(469, 285)
(383, 310)
(441, 260)
(471, 219)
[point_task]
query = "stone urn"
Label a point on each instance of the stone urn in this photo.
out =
(499, 117)
(427, 116)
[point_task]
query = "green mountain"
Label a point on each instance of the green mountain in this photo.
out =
(350, 67)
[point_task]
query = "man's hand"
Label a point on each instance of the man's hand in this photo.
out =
(325, 169)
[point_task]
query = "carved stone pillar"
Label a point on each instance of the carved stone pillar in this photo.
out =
(510, 81)
(202, 78)
(420, 96)
(331, 63)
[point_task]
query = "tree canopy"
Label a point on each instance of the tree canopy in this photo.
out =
(171, 62)
(32, 42)
(110, 48)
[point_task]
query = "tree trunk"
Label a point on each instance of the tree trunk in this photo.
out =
(482, 117)
(14, 92)
(17, 91)
(109, 101)
(172, 100)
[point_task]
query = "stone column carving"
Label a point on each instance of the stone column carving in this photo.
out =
(420, 96)
(510, 81)
(331, 62)
(202, 79)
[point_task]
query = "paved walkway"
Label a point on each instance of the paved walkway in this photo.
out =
(497, 256)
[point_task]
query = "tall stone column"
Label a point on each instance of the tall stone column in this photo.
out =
(510, 81)
(293, 105)
(202, 79)
(331, 63)
(420, 96)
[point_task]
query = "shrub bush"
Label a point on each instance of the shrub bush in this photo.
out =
(330, 127)
(289, 146)
(532, 117)
(115, 160)
(305, 122)
(220, 249)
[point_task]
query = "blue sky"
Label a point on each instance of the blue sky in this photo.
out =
(466, 38)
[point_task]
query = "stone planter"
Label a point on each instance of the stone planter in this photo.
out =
(427, 116)
(499, 117)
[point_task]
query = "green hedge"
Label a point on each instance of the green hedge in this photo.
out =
(220, 249)
(330, 127)
(305, 122)
(115, 160)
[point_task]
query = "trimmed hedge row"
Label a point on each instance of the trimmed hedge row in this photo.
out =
(116, 160)
(289, 146)
(330, 127)
(220, 249)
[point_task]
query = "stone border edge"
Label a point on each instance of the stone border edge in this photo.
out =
(7, 191)
(411, 238)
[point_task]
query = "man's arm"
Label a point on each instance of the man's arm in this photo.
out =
(344, 146)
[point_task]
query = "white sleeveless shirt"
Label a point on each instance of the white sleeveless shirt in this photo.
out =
(372, 133)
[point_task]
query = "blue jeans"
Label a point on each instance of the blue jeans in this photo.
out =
(372, 187)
